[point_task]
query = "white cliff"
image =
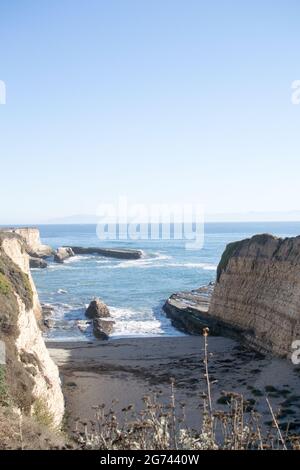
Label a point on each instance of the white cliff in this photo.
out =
(29, 366)
(31, 236)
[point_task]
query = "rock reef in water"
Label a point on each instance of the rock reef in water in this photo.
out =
(256, 297)
(120, 253)
(37, 263)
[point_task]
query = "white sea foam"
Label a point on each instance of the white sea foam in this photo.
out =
(130, 322)
(205, 266)
(103, 261)
(78, 258)
(151, 261)
(66, 322)
(156, 263)
(60, 266)
(64, 306)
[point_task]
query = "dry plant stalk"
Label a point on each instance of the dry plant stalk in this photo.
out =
(160, 426)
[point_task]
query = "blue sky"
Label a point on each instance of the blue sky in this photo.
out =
(161, 101)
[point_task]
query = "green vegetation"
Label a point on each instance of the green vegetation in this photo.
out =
(4, 395)
(42, 414)
(19, 431)
(27, 291)
(14, 279)
(5, 285)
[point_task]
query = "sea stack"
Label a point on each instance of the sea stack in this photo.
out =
(99, 313)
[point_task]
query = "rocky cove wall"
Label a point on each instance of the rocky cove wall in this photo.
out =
(32, 376)
(257, 293)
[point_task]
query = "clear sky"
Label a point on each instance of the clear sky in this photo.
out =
(158, 100)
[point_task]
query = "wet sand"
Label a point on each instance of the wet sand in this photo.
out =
(127, 369)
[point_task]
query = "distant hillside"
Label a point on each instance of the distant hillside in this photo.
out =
(74, 219)
(255, 216)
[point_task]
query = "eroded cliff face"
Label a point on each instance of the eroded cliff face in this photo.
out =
(257, 293)
(32, 376)
(15, 249)
(31, 237)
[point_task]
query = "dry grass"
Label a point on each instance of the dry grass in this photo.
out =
(161, 426)
(18, 431)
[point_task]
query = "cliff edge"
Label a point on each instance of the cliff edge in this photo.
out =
(31, 238)
(31, 377)
(257, 293)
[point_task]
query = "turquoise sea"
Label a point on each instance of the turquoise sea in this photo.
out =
(135, 290)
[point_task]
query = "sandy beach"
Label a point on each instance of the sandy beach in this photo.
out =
(125, 370)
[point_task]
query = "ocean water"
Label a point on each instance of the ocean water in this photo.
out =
(134, 290)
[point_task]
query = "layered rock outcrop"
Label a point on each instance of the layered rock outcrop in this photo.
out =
(31, 375)
(256, 297)
(257, 294)
(188, 311)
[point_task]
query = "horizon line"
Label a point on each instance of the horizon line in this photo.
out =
(31, 225)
